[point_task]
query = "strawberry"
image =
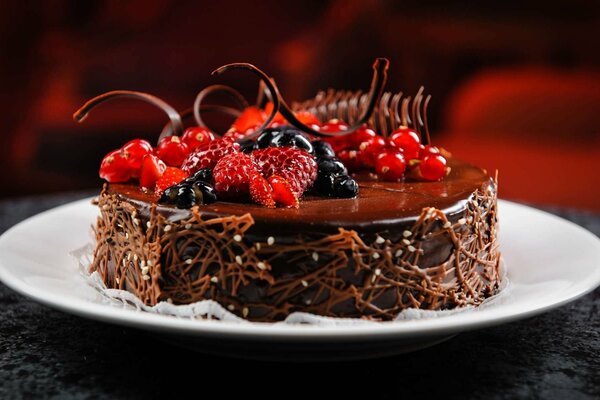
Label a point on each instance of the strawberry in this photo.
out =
(196, 136)
(295, 165)
(207, 155)
(115, 167)
(151, 171)
(232, 174)
(278, 120)
(261, 191)
(249, 118)
(172, 151)
(308, 118)
(135, 151)
(171, 176)
(283, 192)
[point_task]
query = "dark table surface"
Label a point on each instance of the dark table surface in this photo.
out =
(46, 353)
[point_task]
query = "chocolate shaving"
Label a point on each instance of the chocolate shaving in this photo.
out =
(234, 94)
(425, 119)
(189, 112)
(81, 114)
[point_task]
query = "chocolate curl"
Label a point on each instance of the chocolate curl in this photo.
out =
(272, 91)
(81, 114)
(234, 94)
(416, 116)
(425, 119)
(405, 120)
(189, 112)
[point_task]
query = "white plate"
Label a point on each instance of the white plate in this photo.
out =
(550, 262)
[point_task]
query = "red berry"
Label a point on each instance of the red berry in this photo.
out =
(295, 165)
(249, 118)
(362, 134)
(135, 151)
(433, 167)
(261, 191)
(337, 142)
(172, 151)
(390, 165)
(371, 149)
(428, 151)
(282, 192)
(171, 176)
(408, 140)
(352, 159)
(278, 120)
(115, 167)
(232, 174)
(152, 169)
(307, 118)
(196, 136)
(235, 135)
(207, 155)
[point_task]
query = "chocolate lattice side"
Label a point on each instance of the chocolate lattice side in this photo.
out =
(436, 264)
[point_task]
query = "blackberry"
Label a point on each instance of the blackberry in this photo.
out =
(322, 149)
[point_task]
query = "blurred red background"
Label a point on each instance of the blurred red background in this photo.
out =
(515, 88)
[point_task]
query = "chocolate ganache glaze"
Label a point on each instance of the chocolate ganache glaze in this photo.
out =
(428, 245)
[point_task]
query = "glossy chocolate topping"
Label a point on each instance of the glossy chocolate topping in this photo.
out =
(380, 205)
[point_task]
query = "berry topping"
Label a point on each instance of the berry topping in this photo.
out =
(345, 187)
(351, 159)
(322, 148)
(391, 165)
(115, 167)
(362, 134)
(207, 155)
(196, 136)
(152, 169)
(371, 149)
(186, 196)
(261, 191)
(408, 140)
(282, 192)
(204, 175)
(205, 193)
(331, 166)
(170, 177)
(232, 174)
(433, 167)
(250, 118)
(337, 142)
(172, 151)
(307, 118)
(279, 119)
(188, 193)
(295, 165)
(428, 151)
(135, 151)
(283, 136)
(247, 146)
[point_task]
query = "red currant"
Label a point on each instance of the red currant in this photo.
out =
(408, 140)
(361, 135)
(196, 136)
(337, 142)
(371, 149)
(390, 165)
(249, 118)
(115, 167)
(172, 151)
(433, 167)
(428, 150)
(134, 151)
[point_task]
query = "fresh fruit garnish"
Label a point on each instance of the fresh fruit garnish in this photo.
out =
(337, 142)
(428, 150)
(321, 148)
(295, 165)
(172, 151)
(407, 140)
(390, 165)
(331, 165)
(308, 118)
(351, 159)
(207, 155)
(261, 191)
(345, 187)
(278, 120)
(204, 175)
(232, 174)
(250, 118)
(115, 167)
(283, 136)
(433, 167)
(205, 193)
(152, 169)
(196, 136)
(135, 151)
(282, 192)
(247, 146)
(170, 177)
(370, 150)
(189, 192)
(362, 134)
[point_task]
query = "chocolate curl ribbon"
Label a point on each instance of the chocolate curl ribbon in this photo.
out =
(189, 112)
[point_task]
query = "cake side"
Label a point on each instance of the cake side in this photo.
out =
(434, 261)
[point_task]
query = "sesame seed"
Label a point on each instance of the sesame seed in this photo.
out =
(376, 255)
(377, 271)
(133, 213)
(117, 280)
(214, 279)
(188, 226)
(315, 256)
(398, 253)
(304, 283)
(149, 263)
(135, 257)
(170, 300)
(411, 249)
(270, 240)
(124, 262)
(373, 277)
(145, 270)
(245, 311)
(145, 277)
(231, 307)
(261, 265)
(237, 238)
(136, 221)
(142, 264)
(379, 240)
(148, 224)
(167, 228)
(189, 261)
(126, 235)
(257, 245)
(462, 221)
(406, 241)
(308, 302)
(105, 207)
(239, 260)
(129, 256)
(447, 224)
(406, 234)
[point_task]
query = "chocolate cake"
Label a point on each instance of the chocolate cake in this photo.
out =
(391, 244)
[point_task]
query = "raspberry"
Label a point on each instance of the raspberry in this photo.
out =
(295, 165)
(171, 176)
(282, 192)
(207, 155)
(232, 174)
(261, 191)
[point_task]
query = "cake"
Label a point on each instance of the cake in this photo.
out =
(303, 234)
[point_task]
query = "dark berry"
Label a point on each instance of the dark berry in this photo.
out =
(331, 165)
(247, 145)
(169, 196)
(345, 187)
(186, 196)
(322, 148)
(283, 136)
(205, 193)
(324, 184)
(204, 175)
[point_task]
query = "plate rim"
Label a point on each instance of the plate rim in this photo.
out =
(286, 332)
